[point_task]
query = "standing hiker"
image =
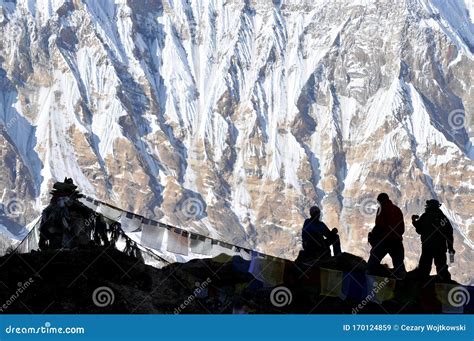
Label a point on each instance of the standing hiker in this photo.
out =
(436, 237)
(386, 237)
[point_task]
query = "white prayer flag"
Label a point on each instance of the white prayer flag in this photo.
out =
(109, 212)
(177, 241)
(130, 222)
(152, 236)
(200, 245)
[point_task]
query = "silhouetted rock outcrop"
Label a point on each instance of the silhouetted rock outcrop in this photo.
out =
(104, 280)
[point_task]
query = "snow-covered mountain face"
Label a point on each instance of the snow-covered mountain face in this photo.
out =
(234, 117)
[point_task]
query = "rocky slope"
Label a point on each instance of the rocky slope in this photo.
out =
(235, 117)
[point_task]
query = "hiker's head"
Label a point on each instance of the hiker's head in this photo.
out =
(315, 212)
(432, 204)
(382, 197)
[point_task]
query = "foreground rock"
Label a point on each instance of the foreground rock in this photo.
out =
(99, 280)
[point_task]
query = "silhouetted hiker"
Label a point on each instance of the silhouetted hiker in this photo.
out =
(317, 238)
(436, 237)
(386, 237)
